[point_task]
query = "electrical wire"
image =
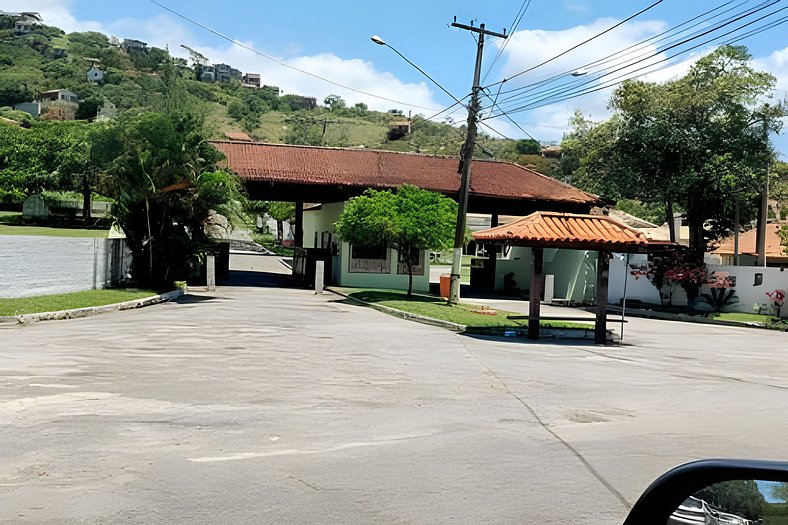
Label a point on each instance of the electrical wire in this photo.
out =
(512, 28)
(614, 26)
(612, 82)
(527, 93)
(282, 62)
(569, 90)
(630, 49)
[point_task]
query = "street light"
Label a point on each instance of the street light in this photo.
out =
(379, 41)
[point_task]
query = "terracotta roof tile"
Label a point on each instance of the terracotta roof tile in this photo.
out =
(747, 243)
(386, 169)
(567, 230)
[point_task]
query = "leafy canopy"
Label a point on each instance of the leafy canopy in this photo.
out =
(409, 220)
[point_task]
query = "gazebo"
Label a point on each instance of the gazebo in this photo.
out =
(542, 230)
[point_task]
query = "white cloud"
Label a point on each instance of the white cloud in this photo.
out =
(577, 7)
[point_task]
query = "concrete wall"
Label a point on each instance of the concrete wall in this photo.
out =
(391, 280)
(747, 291)
(317, 221)
(31, 265)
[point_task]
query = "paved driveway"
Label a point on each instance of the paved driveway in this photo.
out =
(274, 405)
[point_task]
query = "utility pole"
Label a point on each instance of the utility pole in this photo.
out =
(466, 155)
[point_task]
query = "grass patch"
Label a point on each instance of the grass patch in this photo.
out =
(47, 231)
(68, 301)
(743, 317)
(437, 308)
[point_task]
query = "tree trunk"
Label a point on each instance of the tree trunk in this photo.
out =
(670, 220)
(279, 232)
(410, 273)
(85, 199)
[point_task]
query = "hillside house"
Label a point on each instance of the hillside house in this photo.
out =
(129, 45)
(58, 95)
(251, 80)
(225, 73)
(95, 74)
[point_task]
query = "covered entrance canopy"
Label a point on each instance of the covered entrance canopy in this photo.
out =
(318, 174)
(541, 230)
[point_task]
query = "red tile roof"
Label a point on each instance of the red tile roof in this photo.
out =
(238, 136)
(385, 169)
(567, 230)
(747, 243)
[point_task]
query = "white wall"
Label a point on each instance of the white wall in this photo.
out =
(32, 265)
(747, 292)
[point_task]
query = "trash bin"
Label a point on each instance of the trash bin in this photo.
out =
(445, 285)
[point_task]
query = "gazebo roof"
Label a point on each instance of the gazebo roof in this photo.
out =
(567, 230)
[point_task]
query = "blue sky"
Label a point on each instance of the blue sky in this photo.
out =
(332, 39)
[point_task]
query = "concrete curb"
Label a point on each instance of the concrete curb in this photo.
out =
(455, 327)
(545, 333)
(91, 310)
(684, 318)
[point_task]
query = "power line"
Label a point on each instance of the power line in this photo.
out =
(283, 63)
(618, 80)
(517, 18)
(627, 50)
(614, 26)
(548, 98)
(527, 93)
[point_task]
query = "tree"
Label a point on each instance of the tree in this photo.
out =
(409, 220)
(334, 102)
(528, 147)
(164, 181)
(696, 141)
(740, 497)
(281, 211)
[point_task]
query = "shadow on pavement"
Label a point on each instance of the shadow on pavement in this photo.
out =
(193, 299)
(258, 279)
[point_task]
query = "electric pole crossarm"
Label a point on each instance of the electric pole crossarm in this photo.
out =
(479, 30)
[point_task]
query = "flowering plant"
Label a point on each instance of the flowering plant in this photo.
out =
(778, 299)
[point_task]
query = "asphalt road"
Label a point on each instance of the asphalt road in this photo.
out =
(263, 404)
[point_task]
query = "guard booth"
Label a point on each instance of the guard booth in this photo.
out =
(305, 262)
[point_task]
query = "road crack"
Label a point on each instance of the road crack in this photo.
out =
(594, 472)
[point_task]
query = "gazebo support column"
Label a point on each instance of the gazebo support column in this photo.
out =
(602, 278)
(535, 294)
(491, 255)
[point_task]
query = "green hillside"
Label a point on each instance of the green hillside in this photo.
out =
(50, 59)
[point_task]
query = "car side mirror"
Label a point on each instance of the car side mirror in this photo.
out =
(731, 492)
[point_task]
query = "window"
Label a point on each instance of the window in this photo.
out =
(369, 259)
(418, 263)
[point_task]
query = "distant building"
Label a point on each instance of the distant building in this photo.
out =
(251, 79)
(237, 136)
(130, 44)
(207, 75)
(95, 74)
(225, 72)
(272, 90)
(26, 25)
(398, 129)
(32, 108)
(299, 102)
(58, 95)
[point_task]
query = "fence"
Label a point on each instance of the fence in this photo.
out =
(46, 265)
